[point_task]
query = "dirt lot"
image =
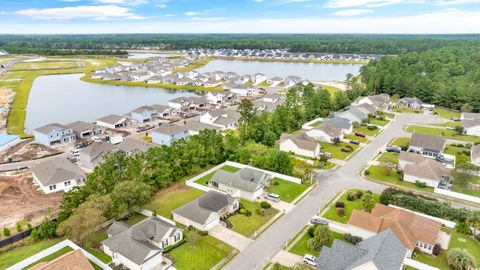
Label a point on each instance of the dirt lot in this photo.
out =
(26, 150)
(20, 199)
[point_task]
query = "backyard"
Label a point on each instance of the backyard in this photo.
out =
(301, 247)
(287, 190)
(366, 131)
(389, 175)
(402, 142)
(51, 257)
(336, 150)
(378, 122)
(391, 158)
(462, 154)
(357, 204)
(249, 225)
(11, 257)
(446, 133)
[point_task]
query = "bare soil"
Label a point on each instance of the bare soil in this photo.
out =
(20, 199)
(27, 150)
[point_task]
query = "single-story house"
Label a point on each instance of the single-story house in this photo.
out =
(7, 141)
(299, 145)
(82, 129)
(410, 103)
(414, 231)
(427, 145)
(246, 183)
(93, 154)
(140, 246)
(57, 174)
(143, 114)
(428, 171)
(112, 121)
(469, 116)
(378, 101)
(475, 154)
(366, 108)
(325, 133)
(54, 133)
(405, 158)
(130, 146)
(382, 251)
(471, 127)
(340, 123)
(168, 133)
(205, 212)
(354, 115)
(72, 260)
(242, 90)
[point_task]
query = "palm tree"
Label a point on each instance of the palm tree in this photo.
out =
(459, 259)
(322, 233)
(473, 220)
(349, 80)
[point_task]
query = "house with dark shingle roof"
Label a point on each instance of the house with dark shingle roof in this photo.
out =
(246, 183)
(340, 123)
(383, 251)
(427, 145)
(205, 212)
(141, 245)
(57, 174)
(301, 145)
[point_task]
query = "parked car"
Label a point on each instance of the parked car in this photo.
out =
(310, 259)
(355, 142)
(393, 149)
(318, 220)
(359, 134)
(96, 139)
(272, 197)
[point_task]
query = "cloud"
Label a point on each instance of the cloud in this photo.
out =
(367, 3)
(352, 12)
(456, 2)
(195, 13)
(90, 12)
(209, 19)
(123, 2)
(161, 5)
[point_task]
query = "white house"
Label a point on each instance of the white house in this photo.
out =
(471, 127)
(300, 145)
(428, 171)
(225, 119)
(378, 101)
(246, 183)
(475, 154)
(275, 81)
(52, 134)
(469, 116)
(258, 78)
(112, 121)
(57, 174)
(143, 114)
(427, 145)
(242, 90)
(218, 98)
(325, 133)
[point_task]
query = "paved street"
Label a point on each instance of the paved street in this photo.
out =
(267, 245)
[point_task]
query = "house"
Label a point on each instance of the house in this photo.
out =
(353, 115)
(366, 108)
(292, 80)
(130, 146)
(469, 116)
(246, 183)
(57, 174)
(471, 127)
(82, 129)
(181, 104)
(143, 114)
(427, 145)
(140, 246)
(225, 119)
(428, 171)
(258, 78)
(383, 251)
(216, 97)
(52, 134)
(206, 211)
(410, 103)
(405, 158)
(299, 145)
(7, 141)
(198, 102)
(475, 154)
(269, 102)
(325, 133)
(93, 154)
(72, 260)
(414, 231)
(340, 123)
(242, 90)
(275, 81)
(168, 133)
(377, 101)
(162, 111)
(194, 127)
(112, 121)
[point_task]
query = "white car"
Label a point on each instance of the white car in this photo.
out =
(272, 197)
(96, 139)
(310, 259)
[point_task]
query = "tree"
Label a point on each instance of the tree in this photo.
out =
(6, 232)
(46, 229)
(247, 111)
(460, 259)
(348, 80)
(473, 220)
(459, 130)
(322, 234)
(368, 202)
(128, 196)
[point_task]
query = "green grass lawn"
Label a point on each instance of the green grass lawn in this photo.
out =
(335, 150)
(16, 255)
(405, 110)
(134, 219)
(44, 65)
(349, 207)
(167, 200)
(378, 122)
(301, 247)
(388, 115)
(248, 225)
(402, 142)
(201, 255)
(52, 256)
(466, 190)
(448, 124)
(460, 156)
(95, 249)
(316, 123)
(457, 240)
(366, 131)
(389, 175)
(446, 113)
(287, 190)
(446, 133)
(386, 157)
(206, 178)
(356, 138)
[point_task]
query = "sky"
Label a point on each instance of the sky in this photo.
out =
(239, 16)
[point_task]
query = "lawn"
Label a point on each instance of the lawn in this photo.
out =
(44, 65)
(201, 255)
(446, 133)
(366, 131)
(356, 138)
(448, 124)
(446, 113)
(335, 150)
(386, 157)
(287, 190)
(457, 240)
(389, 175)
(134, 219)
(402, 142)
(301, 247)
(95, 249)
(349, 207)
(248, 225)
(52, 256)
(206, 178)
(316, 123)
(378, 122)
(167, 200)
(16, 255)
(460, 156)
(466, 190)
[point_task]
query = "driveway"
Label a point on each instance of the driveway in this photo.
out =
(230, 237)
(267, 245)
(287, 259)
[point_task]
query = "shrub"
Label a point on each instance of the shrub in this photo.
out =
(47, 229)
(265, 205)
(420, 184)
(352, 239)
(6, 232)
(248, 213)
(275, 183)
(463, 227)
(170, 248)
(367, 172)
(436, 249)
(351, 196)
(372, 127)
(29, 226)
(341, 212)
(340, 205)
(19, 227)
(359, 194)
(277, 266)
(260, 212)
(347, 149)
(311, 231)
(313, 244)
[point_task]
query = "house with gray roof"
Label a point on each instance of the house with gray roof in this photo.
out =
(162, 111)
(57, 174)
(112, 121)
(427, 145)
(469, 116)
(246, 183)
(143, 114)
(53, 134)
(141, 246)
(93, 154)
(206, 211)
(300, 145)
(410, 103)
(325, 133)
(224, 119)
(130, 146)
(353, 115)
(475, 155)
(382, 251)
(82, 129)
(377, 101)
(168, 133)
(340, 123)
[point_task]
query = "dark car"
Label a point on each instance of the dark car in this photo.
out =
(355, 142)
(393, 149)
(359, 134)
(318, 220)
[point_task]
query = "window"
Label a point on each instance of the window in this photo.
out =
(53, 187)
(67, 183)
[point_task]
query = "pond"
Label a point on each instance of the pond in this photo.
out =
(65, 99)
(310, 71)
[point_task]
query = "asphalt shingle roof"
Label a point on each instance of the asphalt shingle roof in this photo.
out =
(57, 170)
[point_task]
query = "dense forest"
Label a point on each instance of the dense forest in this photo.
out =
(322, 43)
(448, 76)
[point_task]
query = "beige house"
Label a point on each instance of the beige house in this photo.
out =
(475, 154)
(299, 145)
(325, 133)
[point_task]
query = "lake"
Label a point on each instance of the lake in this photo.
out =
(65, 99)
(310, 71)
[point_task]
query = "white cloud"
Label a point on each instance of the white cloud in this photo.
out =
(209, 19)
(123, 2)
(456, 2)
(93, 12)
(161, 5)
(352, 12)
(195, 13)
(70, 1)
(367, 3)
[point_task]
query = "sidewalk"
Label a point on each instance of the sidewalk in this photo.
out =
(230, 237)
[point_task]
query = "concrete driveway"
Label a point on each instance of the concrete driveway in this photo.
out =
(230, 237)
(287, 259)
